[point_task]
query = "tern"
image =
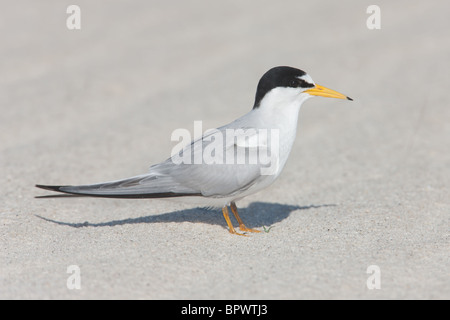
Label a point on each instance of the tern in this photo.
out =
(235, 167)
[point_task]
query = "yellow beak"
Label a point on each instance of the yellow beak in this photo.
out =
(325, 92)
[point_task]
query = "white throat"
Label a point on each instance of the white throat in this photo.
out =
(280, 107)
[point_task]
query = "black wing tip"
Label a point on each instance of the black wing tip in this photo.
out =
(119, 196)
(51, 188)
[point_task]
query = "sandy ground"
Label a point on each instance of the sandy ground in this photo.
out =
(367, 182)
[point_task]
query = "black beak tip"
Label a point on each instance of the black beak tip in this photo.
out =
(348, 98)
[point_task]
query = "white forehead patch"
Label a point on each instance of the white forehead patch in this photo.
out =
(307, 78)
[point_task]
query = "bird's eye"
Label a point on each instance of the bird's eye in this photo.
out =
(293, 83)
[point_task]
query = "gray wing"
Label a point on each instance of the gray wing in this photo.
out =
(225, 168)
(230, 162)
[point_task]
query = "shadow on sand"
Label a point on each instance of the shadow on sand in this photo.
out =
(257, 214)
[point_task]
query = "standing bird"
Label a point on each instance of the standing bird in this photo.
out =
(236, 160)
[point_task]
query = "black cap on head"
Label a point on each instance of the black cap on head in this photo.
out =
(280, 77)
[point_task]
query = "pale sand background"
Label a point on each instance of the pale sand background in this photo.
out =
(367, 182)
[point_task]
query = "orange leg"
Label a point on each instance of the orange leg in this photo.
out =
(242, 226)
(230, 225)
